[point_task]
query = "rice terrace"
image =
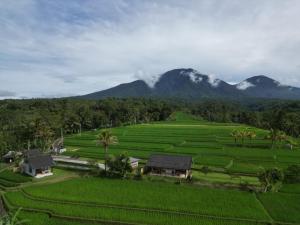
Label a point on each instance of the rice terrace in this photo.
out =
(149, 112)
(224, 188)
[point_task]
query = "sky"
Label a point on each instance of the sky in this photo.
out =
(55, 48)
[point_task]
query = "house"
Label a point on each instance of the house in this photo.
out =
(170, 165)
(37, 164)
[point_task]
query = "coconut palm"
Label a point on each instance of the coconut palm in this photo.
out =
(251, 135)
(273, 136)
(236, 135)
(105, 139)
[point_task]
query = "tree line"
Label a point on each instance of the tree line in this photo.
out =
(36, 123)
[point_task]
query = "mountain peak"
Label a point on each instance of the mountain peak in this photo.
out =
(188, 83)
(263, 80)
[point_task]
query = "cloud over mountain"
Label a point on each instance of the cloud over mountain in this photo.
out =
(62, 47)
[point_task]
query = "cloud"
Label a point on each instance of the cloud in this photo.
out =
(7, 94)
(58, 48)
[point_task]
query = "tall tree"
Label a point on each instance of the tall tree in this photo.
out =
(273, 136)
(106, 138)
(236, 135)
(271, 179)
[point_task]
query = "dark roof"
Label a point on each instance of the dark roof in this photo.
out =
(178, 162)
(33, 153)
(38, 160)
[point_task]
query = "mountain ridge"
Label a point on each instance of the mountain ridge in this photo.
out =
(190, 84)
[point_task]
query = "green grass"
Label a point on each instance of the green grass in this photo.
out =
(210, 144)
(10, 176)
(154, 195)
(291, 188)
(157, 203)
(281, 206)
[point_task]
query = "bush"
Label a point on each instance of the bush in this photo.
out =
(292, 174)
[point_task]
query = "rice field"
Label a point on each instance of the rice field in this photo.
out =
(96, 200)
(123, 200)
(210, 144)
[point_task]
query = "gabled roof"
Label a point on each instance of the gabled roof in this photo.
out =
(178, 162)
(38, 160)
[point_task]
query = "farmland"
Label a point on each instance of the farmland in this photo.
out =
(210, 144)
(90, 199)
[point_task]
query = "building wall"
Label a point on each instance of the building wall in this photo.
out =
(26, 169)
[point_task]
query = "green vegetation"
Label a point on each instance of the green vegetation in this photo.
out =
(155, 204)
(210, 145)
(218, 161)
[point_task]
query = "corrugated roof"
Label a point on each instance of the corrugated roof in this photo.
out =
(178, 162)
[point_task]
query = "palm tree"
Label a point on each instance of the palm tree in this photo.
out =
(236, 135)
(251, 135)
(273, 136)
(105, 139)
(281, 137)
(243, 135)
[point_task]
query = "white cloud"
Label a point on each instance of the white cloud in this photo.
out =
(69, 47)
(244, 85)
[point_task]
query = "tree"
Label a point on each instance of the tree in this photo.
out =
(273, 135)
(119, 165)
(106, 138)
(243, 135)
(271, 179)
(251, 135)
(236, 135)
(43, 135)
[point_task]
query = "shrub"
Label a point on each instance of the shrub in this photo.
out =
(292, 174)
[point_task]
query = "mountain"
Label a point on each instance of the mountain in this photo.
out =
(265, 87)
(190, 84)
